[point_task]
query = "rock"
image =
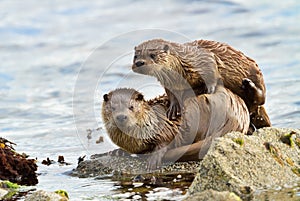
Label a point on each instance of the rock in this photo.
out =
(45, 196)
(105, 164)
(3, 192)
(132, 169)
(8, 190)
(246, 164)
(212, 195)
(91, 168)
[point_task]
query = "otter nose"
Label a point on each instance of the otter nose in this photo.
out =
(139, 63)
(121, 118)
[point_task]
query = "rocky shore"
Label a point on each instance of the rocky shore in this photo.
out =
(263, 166)
(18, 175)
(237, 166)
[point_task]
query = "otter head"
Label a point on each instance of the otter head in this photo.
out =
(151, 57)
(122, 108)
(160, 59)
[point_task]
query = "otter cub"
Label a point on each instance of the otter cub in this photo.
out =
(198, 65)
(133, 124)
(140, 126)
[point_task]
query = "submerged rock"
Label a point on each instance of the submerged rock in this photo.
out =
(246, 164)
(131, 171)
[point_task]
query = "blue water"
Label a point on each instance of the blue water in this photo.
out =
(54, 52)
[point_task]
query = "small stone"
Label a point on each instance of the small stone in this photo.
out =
(138, 178)
(136, 197)
(101, 139)
(45, 196)
(3, 192)
(61, 159)
(137, 184)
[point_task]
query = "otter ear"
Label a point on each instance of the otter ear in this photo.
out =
(105, 97)
(166, 48)
(140, 97)
(135, 48)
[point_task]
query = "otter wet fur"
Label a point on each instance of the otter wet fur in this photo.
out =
(201, 63)
(139, 126)
(133, 124)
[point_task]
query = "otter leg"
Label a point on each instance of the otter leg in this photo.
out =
(174, 109)
(260, 118)
(155, 159)
(193, 152)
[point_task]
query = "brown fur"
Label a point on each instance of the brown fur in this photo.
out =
(146, 126)
(148, 129)
(200, 64)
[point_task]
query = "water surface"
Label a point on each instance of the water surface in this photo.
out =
(45, 45)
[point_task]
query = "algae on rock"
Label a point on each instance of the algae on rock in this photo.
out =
(228, 166)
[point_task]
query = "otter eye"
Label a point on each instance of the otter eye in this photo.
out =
(152, 56)
(131, 108)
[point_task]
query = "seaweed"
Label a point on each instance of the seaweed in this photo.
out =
(288, 138)
(239, 141)
(16, 167)
(274, 152)
(62, 193)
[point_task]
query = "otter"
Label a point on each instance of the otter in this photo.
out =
(139, 126)
(133, 124)
(201, 63)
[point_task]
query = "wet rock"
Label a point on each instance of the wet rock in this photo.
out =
(125, 164)
(212, 195)
(45, 196)
(130, 170)
(16, 167)
(3, 192)
(261, 161)
(9, 190)
(91, 168)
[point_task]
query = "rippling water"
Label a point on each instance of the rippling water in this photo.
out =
(46, 45)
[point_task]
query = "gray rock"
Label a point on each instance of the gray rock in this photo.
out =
(3, 192)
(130, 169)
(245, 164)
(105, 164)
(45, 196)
(212, 195)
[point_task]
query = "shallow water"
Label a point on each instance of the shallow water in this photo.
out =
(51, 50)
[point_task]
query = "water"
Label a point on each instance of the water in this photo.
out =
(51, 50)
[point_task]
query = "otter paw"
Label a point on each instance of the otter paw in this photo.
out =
(251, 129)
(174, 111)
(118, 152)
(211, 89)
(155, 159)
(247, 84)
